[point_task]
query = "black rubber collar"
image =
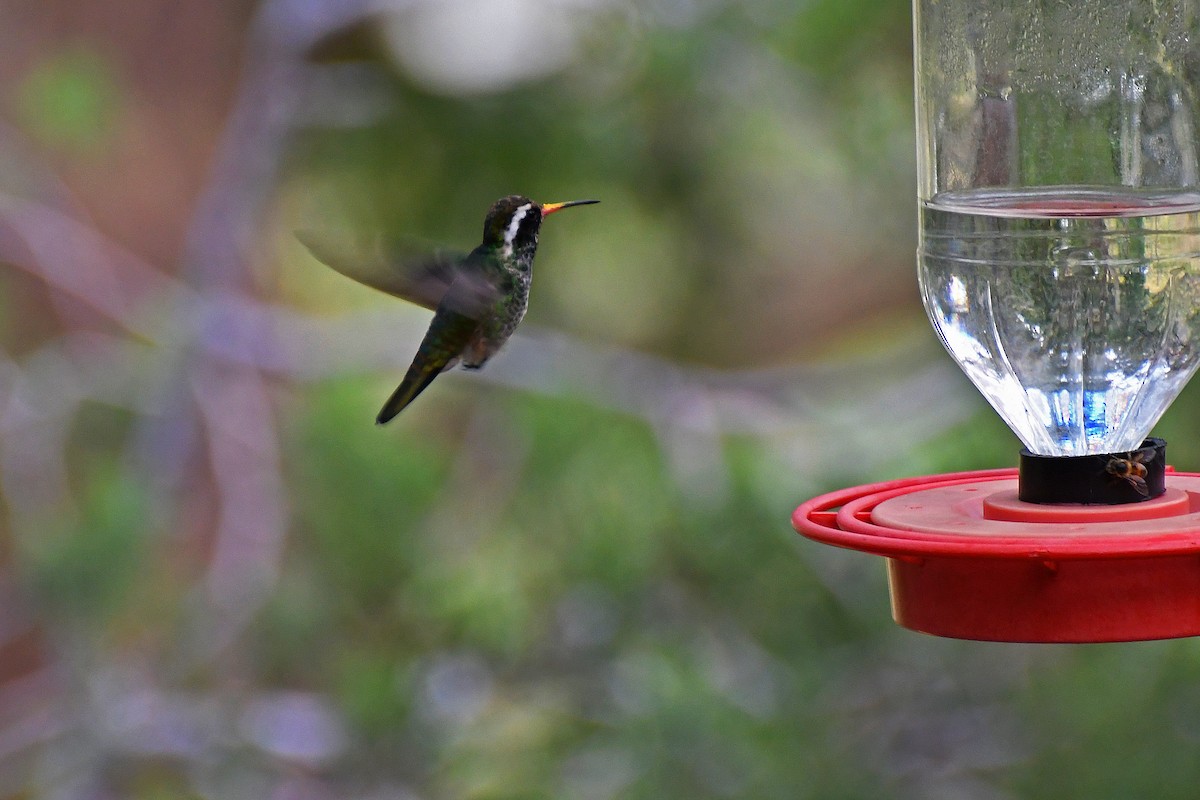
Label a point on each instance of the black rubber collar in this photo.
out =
(1107, 479)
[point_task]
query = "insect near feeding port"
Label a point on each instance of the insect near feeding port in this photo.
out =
(1130, 470)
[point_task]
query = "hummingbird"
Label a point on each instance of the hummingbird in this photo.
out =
(477, 299)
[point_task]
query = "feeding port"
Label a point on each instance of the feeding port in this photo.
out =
(967, 559)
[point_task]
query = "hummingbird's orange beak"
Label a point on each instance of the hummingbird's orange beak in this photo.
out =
(550, 208)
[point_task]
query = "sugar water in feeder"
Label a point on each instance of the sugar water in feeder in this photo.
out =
(1075, 311)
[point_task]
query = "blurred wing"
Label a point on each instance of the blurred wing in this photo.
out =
(418, 277)
(473, 294)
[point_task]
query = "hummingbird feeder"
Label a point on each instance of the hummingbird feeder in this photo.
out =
(1059, 263)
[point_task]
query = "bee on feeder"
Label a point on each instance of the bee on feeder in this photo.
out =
(1130, 470)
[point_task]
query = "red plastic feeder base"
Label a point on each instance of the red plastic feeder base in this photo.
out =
(968, 560)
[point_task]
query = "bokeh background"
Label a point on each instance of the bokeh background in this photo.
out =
(570, 575)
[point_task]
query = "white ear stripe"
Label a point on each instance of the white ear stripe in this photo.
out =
(514, 225)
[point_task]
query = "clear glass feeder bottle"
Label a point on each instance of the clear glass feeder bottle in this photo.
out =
(1059, 189)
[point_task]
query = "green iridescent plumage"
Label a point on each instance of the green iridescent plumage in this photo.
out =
(478, 300)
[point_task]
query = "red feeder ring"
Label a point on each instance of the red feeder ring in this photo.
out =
(968, 560)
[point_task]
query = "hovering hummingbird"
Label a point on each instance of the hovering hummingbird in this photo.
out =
(478, 299)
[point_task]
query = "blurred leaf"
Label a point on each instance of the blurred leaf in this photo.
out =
(86, 568)
(373, 692)
(594, 494)
(829, 36)
(71, 99)
(368, 490)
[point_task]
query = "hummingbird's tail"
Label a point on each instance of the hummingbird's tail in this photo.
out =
(455, 324)
(448, 335)
(419, 375)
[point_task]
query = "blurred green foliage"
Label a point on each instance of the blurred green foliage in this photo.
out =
(70, 99)
(626, 639)
(85, 566)
(621, 630)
